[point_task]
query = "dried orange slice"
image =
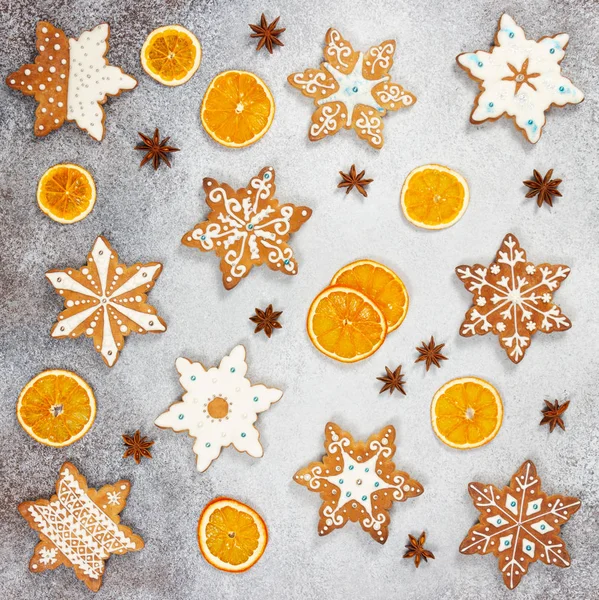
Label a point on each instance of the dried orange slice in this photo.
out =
(345, 324)
(66, 193)
(434, 197)
(171, 55)
(381, 285)
(232, 536)
(237, 109)
(56, 408)
(466, 413)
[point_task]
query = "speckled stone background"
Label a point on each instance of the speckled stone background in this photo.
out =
(144, 214)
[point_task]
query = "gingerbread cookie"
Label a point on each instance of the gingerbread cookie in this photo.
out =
(106, 300)
(357, 481)
(352, 90)
(513, 298)
(248, 227)
(79, 527)
(70, 79)
(519, 524)
(519, 78)
(219, 408)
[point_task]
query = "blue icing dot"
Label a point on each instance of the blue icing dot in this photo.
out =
(511, 34)
(513, 503)
(491, 105)
(530, 121)
(255, 398)
(232, 369)
(552, 51)
(193, 377)
(286, 261)
(529, 548)
(561, 88)
(207, 444)
(506, 543)
(202, 237)
(542, 527)
(480, 64)
(376, 484)
(351, 467)
(366, 470)
(180, 417)
(250, 226)
(267, 175)
(243, 435)
(348, 494)
(355, 88)
(364, 498)
(535, 506)
(341, 481)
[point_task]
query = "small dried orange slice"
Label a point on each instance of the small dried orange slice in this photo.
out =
(56, 408)
(66, 193)
(434, 197)
(237, 109)
(171, 55)
(231, 535)
(345, 324)
(381, 285)
(466, 413)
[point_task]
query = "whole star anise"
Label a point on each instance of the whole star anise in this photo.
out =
(267, 34)
(417, 551)
(552, 414)
(155, 149)
(431, 354)
(544, 188)
(393, 380)
(266, 320)
(137, 446)
(353, 179)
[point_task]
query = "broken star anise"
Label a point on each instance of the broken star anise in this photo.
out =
(267, 34)
(431, 354)
(544, 188)
(266, 320)
(552, 414)
(352, 180)
(417, 551)
(155, 150)
(137, 446)
(393, 380)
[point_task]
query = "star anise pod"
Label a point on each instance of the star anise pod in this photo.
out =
(393, 380)
(137, 446)
(266, 320)
(544, 188)
(552, 414)
(417, 551)
(267, 34)
(353, 179)
(155, 149)
(431, 354)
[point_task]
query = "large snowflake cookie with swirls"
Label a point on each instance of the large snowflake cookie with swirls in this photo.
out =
(357, 481)
(520, 78)
(70, 79)
(352, 90)
(106, 300)
(513, 298)
(248, 227)
(519, 524)
(219, 408)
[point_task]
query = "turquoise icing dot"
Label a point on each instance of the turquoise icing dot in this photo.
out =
(267, 175)
(366, 470)
(232, 369)
(511, 34)
(491, 105)
(542, 527)
(250, 226)
(286, 261)
(561, 88)
(376, 484)
(255, 398)
(535, 506)
(348, 494)
(341, 481)
(193, 377)
(202, 237)
(207, 444)
(364, 498)
(552, 51)
(513, 503)
(480, 64)
(530, 121)
(355, 88)
(180, 417)
(506, 543)
(529, 548)
(351, 467)
(243, 435)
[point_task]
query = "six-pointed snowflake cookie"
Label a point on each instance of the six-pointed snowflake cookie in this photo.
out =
(519, 78)
(79, 527)
(352, 90)
(248, 227)
(513, 298)
(70, 79)
(106, 300)
(357, 481)
(219, 407)
(519, 524)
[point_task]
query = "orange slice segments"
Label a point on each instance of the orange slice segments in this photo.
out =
(56, 408)
(381, 285)
(237, 109)
(231, 535)
(466, 413)
(345, 324)
(66, 193)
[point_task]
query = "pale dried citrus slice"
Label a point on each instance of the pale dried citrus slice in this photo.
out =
(66, 193)
(434, 197)
(380, 284)
(231, 535)
(345, 324)
(237, 109)
(466, 413)
(56, 408)
(171, 55)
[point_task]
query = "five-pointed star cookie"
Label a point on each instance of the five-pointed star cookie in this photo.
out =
(357, 481)
(513, 298)
(106, 300)
(519, 524)
(70, 79)
(79, 527)
(519, 78)
(352, 90)
(248, 227)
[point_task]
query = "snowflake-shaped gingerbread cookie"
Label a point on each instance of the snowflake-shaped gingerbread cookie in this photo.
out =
(357, 481)
(219, 407)
(513, 298)
(520, 78)
(352, 90)
(248, 227)
(519, 524)
(70, 79)
(106, 300)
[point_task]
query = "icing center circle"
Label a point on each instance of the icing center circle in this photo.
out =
(218, 408)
